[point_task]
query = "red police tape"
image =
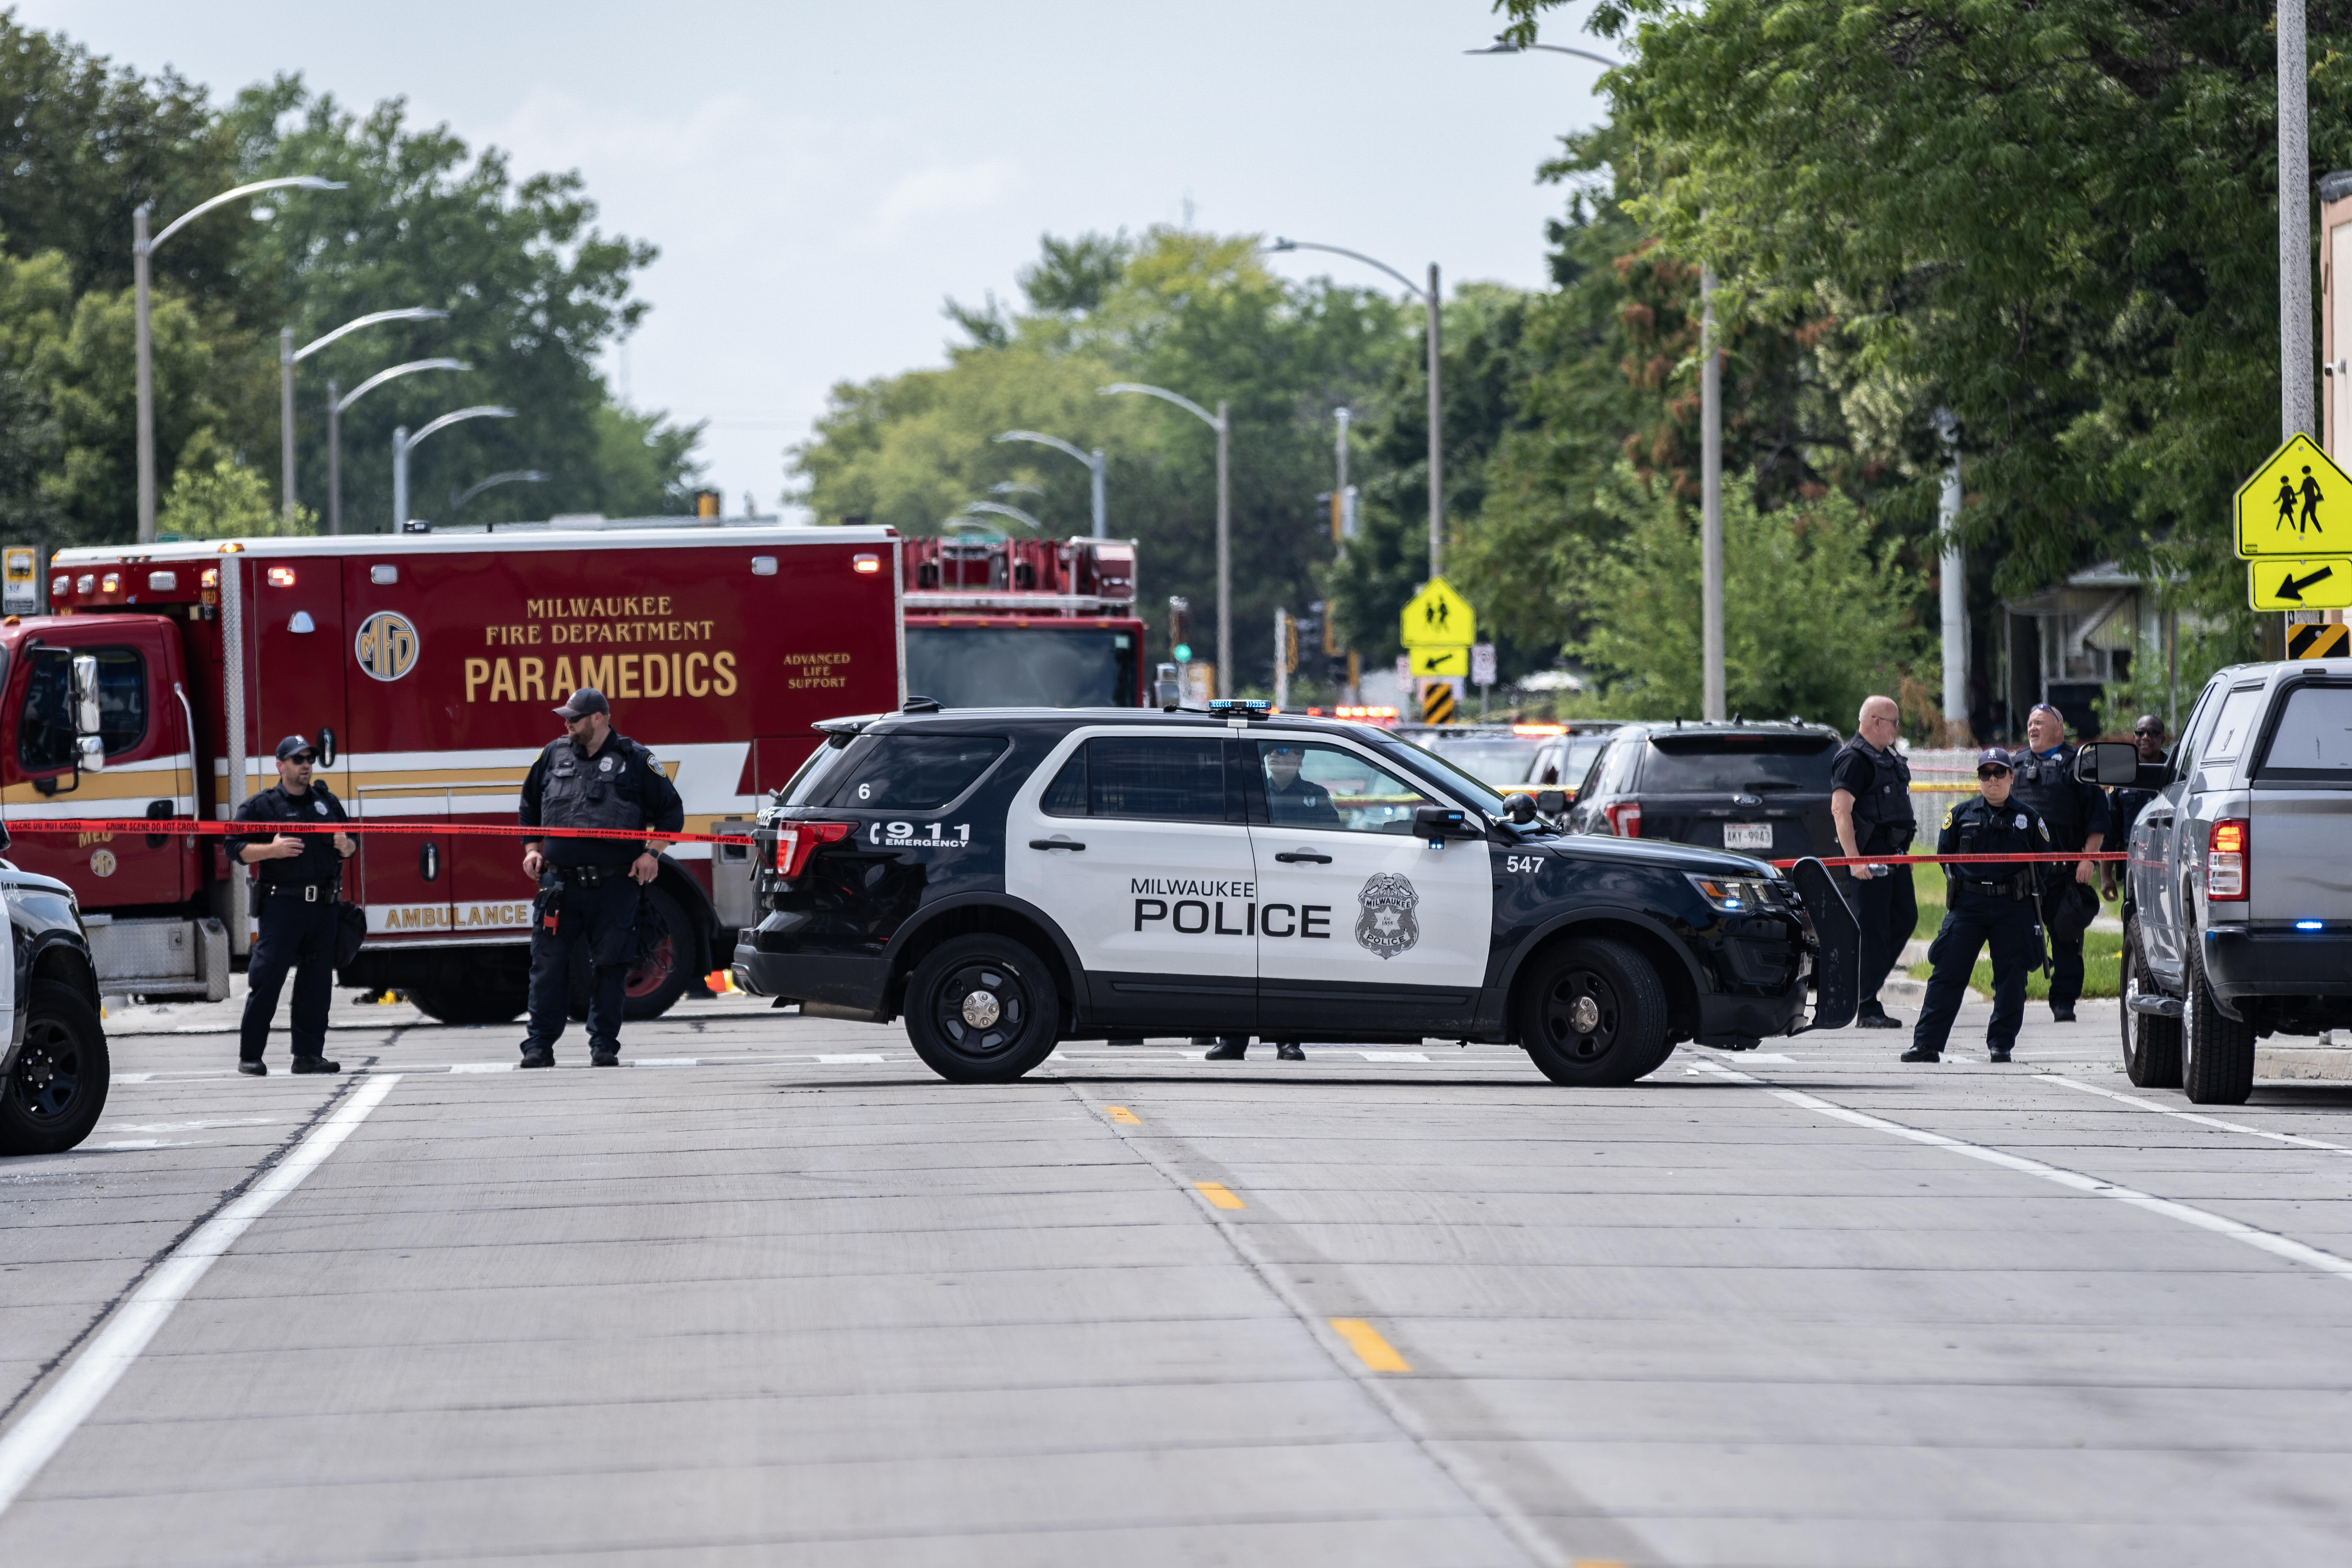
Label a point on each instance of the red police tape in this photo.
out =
(31, 827)
(1964, 860)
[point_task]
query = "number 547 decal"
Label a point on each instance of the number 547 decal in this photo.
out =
(902, 835)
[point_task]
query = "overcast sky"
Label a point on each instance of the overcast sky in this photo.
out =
(819, 177)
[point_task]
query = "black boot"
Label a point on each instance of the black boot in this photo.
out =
(1288, 1051)
(2001, 1053)
(604, 1055)
(1231, 1049)
(535, 1055)
(1877, 1018)
(254, 1069)
(1923, 1054)
(316, 1064)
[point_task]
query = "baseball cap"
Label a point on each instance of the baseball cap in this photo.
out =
(585, 701)
(293, 745)
(1993, 757)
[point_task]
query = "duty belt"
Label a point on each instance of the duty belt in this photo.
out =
(589, 876)
(2007, 887)
(311, 891)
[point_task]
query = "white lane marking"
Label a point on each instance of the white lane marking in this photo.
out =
(666, 1061)
(2133, 1100)
(188, 1126)
(854, 1060)
(125, 1143)
(1394, 1056)
(131, 1078)
(481, 1067)
(33, 1441)
(2267, 1241)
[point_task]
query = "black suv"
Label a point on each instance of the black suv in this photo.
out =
(1757, 789)
(1008, 878)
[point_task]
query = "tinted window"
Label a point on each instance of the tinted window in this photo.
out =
(1324, 787)
(806, 781)
(2314, 738)
(1066, 795)
(1167, 779)
(1737, 764)
(2235, 727)
(1008, 667)
(44, 734)
(916, 772)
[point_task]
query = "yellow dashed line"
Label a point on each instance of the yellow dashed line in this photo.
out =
(1220, 1195)
(1121, 1113)
(1375, 1352)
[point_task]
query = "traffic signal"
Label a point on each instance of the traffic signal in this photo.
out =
(1180, 629)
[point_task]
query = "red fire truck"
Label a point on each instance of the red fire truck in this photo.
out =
(423, 668)
(1023, 623)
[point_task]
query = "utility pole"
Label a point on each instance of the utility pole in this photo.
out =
(1437, 432)
(1710, 461)
(1225, 552)
(146, 351)
(2296, 397)
(1954, 588)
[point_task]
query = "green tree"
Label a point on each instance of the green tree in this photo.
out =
(224, 500)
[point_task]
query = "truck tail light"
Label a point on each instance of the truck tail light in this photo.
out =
(1624, 818)
(2226, 854)
(281, 577)
(865, 564)
(796, 843)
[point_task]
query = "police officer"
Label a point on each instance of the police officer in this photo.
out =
(1984, 903)
(2124, 805)
(1870, 797)
(2078, 818)
(300, 881)
(588, 887)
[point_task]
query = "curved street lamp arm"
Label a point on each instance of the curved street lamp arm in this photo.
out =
(1000, 509)
(1180, 401)
(1504, 47)
(413, 314)
(1043, 440)
(1411, 287)
(512, 476)
(482, 411)
(298, 182)
(380, 377)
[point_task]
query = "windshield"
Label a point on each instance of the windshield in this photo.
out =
(1497, 759)
(1474, 791)
(1013, 667)
(1734, 764)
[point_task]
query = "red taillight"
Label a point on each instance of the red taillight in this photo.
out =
(866, 565)
(796, 841)
(2225, 860)
(281, 577)
(1624, 818)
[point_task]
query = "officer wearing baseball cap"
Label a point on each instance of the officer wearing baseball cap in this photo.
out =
(592, 778)
(1984, 903)
(298, 886)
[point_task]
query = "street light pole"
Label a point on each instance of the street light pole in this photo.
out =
(335, 409)
(1710, 469)
(141, 250)
(402, 443)
(1432, 299)
(288, 356)
(1092, 460)
(2296, 391)
(1222, 423)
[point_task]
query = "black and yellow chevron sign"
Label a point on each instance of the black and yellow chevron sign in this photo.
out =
(2314, 639)
(1437, 703)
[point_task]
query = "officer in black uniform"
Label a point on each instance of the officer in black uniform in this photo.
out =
(1984, 903)
(1290, 802)
(300, 882)
(2124, 805)
(1870, 798)
(588, 887)
(2078, 818)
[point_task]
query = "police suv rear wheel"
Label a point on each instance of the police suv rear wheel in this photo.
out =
(1593, 1014)
(983, 1009)
(57, 1089)
(2151, 1043)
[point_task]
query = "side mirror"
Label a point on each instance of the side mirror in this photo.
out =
(85, 694)
(326, 747)
(1436, 824)
(1552, 802)
(2115, 764)
(1519, 807)
(91, 752)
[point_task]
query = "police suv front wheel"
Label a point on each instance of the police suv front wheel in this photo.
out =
(983, 1009)
(1593, 1014)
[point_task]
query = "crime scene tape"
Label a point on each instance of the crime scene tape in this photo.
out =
(162, 826)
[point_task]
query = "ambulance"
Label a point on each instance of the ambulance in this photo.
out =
(423, 668)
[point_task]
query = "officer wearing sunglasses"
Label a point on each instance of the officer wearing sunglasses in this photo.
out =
(1984, 904)
(298, 888)
(2124, 805)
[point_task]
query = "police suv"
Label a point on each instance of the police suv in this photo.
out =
(1008, 878)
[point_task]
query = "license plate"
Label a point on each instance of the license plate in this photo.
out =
(1748, 836)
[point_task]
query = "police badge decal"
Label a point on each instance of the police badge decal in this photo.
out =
(1384, 922)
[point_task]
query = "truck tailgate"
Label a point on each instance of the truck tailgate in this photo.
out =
(2297, 841)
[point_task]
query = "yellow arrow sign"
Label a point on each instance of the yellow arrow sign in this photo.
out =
(1427, 661)
(2298, 503)
(1440, 617)
(2301, 583)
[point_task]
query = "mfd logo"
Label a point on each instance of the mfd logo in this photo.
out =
(1384, 922)
(386, 646)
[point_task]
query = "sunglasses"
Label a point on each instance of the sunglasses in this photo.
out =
(1993, 772)
(303, 757)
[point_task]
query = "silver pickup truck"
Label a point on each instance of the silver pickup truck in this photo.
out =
(2238, 902)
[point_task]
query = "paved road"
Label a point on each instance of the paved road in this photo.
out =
(774, 1294)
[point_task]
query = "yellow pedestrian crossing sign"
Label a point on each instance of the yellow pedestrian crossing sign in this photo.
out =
(2302, 583)
(2297, 504)
(1438, 616)
(1440, 662)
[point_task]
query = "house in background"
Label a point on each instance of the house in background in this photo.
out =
(2062, 645)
